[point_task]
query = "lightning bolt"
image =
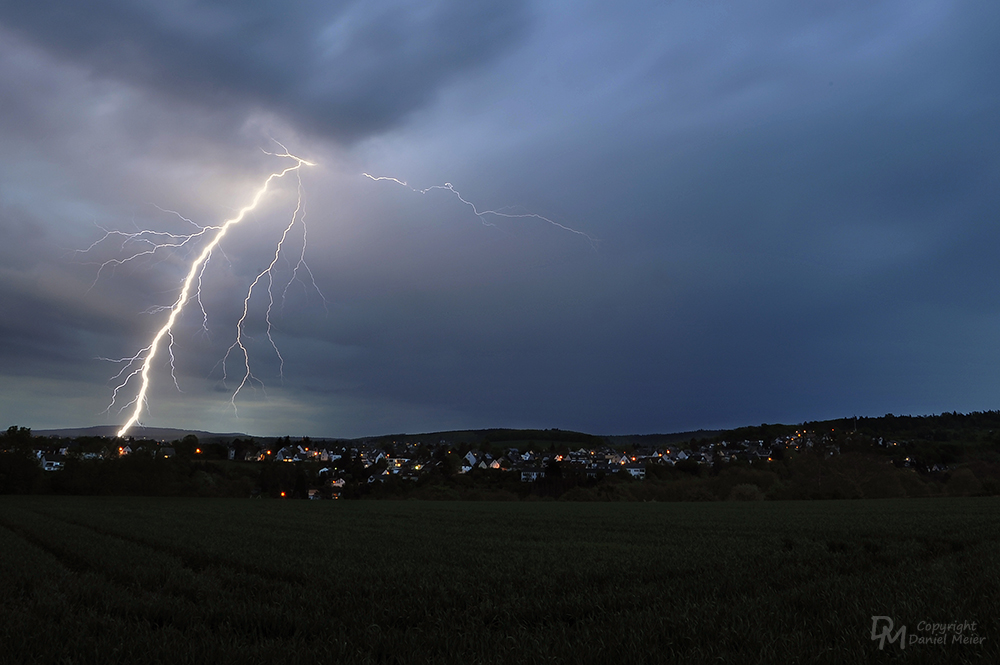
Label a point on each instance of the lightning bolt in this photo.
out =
(148, 243)
(481, 214)
(145, 243)
(248, 377)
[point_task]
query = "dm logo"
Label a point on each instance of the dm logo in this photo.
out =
(886, 633)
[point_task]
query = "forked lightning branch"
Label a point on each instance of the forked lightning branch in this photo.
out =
(135, 378)
(137, 370)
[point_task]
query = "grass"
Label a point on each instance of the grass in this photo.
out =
(122, 580)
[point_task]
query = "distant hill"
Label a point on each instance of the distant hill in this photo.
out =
(498, 436)
(975, 427)
(151, 433)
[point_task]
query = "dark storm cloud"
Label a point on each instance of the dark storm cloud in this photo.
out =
(798, 205)
(796, 202)
(22, 239)
(346, 69)
(24, 335)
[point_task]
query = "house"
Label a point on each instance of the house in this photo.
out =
(307, 452)
(636, 470)
(531, 473)
(468, 462)
(52, 462)
(599, 469)
(618, 458)
(397, 464)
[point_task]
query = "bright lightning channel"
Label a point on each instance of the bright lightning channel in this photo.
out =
(481, 214)
(156, 241)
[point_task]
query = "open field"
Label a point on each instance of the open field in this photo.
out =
(126, 580)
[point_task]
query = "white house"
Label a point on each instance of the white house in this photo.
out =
(51, 462)
(636, 470)
(531, 474)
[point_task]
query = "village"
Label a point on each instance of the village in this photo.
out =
(413, 458)
(850, 458)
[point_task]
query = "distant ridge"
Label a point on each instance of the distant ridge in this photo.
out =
(944, 427)
(151, 433)
(171, 434)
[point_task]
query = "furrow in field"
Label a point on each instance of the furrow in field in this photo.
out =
(194, 556)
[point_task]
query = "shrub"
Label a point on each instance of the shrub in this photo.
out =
(745, 492)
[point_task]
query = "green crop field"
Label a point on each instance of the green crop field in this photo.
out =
(149, 580)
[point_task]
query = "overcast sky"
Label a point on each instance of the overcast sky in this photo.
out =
(747, 212)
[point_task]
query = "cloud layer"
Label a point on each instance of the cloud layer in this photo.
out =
(795, 205)
(345, 69)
